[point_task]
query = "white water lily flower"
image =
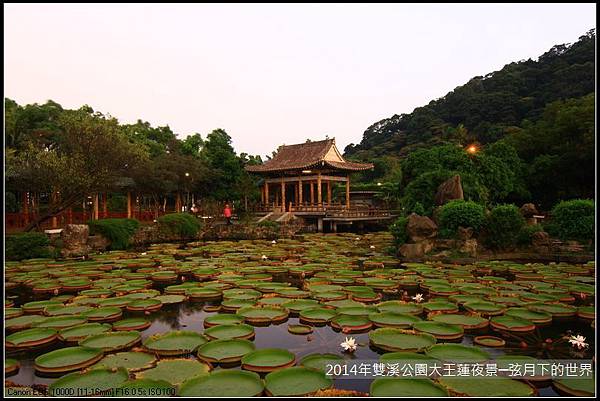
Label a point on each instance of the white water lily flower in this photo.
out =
(358, 239)
(349, 344)
(418, 298)
(264, 257)
(144, 253)
(372, 247)
(578, 341)
(273, 242)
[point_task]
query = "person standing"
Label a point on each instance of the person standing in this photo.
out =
(227, 213)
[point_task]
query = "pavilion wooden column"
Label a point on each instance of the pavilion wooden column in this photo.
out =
(262, 195)
(178, 203)
(282, 195)
(296, 193)
(300, 192)
(96, 207)
(319, 195)
(54, 218)
(348, 192)
(266, 193)
(312, 193)
(105, 205)
(26, 207)
(70, 216)
(328, 193)
(128, 205)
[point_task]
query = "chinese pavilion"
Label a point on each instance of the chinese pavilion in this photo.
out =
(299, 177)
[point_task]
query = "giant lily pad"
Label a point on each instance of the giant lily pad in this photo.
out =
(403, 387)
(76, 333)
(320, 361)
(144, 305)
(67, 359)
(393, 339)
(511, 323)
(457, 353)
(440, 330)
(134, 323)
(60, 322)
(228, 331)
(317, 315)
(223, 383)
(225, 351)
(486, 387)
(351, 323)
(88, 383)
(393, 319)
(263, 314)
(222, 318)
(296, 381)
(400, 307)
(485, 308)
(23, 322)
(112, 341)
(30, 338)
(174, 342)
(175, 371)
(11, 366)
(268, 359)
(133, 361)
(468, 322)
(576, 386)
(104, 314)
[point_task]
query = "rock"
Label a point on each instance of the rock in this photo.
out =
(469, 247)
(420, 228)
(74, 240)
(417, 250)
(540, 238)
(98, 242)
(449, 190)
(465, 233)
(528, 210)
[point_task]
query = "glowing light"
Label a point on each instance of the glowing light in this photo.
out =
(472, 149)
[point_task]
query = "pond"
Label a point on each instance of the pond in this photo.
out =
(333, 287)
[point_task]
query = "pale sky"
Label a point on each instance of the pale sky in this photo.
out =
(269, 74)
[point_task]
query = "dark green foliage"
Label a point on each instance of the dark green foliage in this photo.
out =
(503, 226)
(398, 230)
(117, 203)
(572, 220)
(10, 203)
(524, 236)
(183, 225)
(269, 223)
(117, 231)
(27, 246)
(459, 213)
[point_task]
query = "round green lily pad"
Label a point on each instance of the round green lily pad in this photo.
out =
(320, 361)
(223, 383)
(225, 351)
(351, 323)
(440, 306)
(489, 341)
(296, 381)
(299, 329)
(11, 366)
(440, 330)
(263, 314)
(486, 387)
(134, 323)
(67, 359)
(268, 359)
(133, 361)
(174, 342)
(143, 305)
(60, 322)
(317, 315)
(112, 341)
(393, 319)
(468, 322)
(222, 318)
(90, 382)
(576, 386)
(82, 331)
(30, 338)
(457, 353)
(175, 371)
(393, 339)
(104, 314)
(227, 331)
(23, 322)
(400, 307)
(404, 387)
(537, 317)
(511, 323)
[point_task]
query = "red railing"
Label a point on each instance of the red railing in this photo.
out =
(15, 221)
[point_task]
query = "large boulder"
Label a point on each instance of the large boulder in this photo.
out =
(417, 250)
(540, 238)
(74, 240)
(420, 228)
(449, 190)
(528, 210)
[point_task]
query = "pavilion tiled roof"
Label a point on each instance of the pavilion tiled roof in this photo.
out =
(308, 155)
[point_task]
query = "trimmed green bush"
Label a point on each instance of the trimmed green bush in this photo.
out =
(503, 227)
(117, 231)
(27, 246)
(460, 213)
(572, 220)
(398, 230)
(525, 235)
(183, 225)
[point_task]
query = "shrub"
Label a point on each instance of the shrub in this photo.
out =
(573, 220)
(181, 224)
(398, 230)
(460, 213)
(525, 235)
(503, 226)
(27, 246)
(117, 231)
(269, 224)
